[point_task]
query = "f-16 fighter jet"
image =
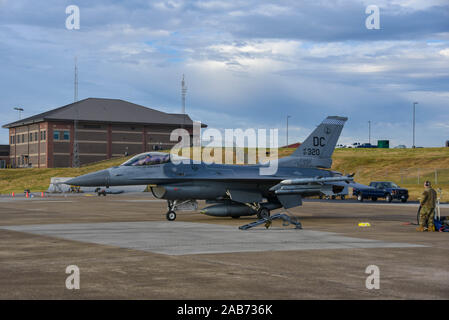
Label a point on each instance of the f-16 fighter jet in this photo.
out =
(232, 190)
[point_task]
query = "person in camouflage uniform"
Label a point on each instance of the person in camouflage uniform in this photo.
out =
(428, 203)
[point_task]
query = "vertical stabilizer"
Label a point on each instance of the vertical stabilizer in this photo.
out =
(317, 149)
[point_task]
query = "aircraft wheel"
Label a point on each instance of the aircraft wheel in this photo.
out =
(171, 216)
(263, 213)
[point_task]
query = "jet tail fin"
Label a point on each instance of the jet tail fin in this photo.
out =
(317, 149)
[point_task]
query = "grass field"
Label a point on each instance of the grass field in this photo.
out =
(407, 167)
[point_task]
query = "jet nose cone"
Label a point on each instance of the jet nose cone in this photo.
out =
(95, 179)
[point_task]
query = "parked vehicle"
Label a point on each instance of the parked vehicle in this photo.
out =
(381, 189)
(354, 145)
(401, 146)
(366, 145)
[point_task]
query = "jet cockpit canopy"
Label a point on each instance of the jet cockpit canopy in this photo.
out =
(148, 159)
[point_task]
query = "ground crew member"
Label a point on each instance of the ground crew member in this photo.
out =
(428, 203)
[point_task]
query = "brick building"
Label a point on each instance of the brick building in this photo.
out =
(105, 128)
(4, 156)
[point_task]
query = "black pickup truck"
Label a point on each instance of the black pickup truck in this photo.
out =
(381, 189)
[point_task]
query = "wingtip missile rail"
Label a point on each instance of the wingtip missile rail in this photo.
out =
(347, 179)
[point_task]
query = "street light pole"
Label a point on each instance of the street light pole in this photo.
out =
(369, 132)
(20, 110)
(414, 107)
(287, 128)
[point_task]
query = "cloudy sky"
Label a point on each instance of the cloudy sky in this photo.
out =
(248, 64)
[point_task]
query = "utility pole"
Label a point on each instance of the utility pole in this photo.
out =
(287, 128)
(369, 132)
(414, 108)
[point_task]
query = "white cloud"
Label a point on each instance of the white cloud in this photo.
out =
(444, 52)
(413, 5)
(247, 63)
(168, 5)
(215, 5)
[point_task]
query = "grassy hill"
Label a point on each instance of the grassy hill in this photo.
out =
(402, 166)
(407, 167)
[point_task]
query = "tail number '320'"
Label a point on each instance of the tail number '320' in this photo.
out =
(311, 152)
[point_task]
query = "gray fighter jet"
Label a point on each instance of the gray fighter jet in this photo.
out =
(233, 190)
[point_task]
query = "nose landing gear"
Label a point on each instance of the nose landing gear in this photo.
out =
(182, 205)
(171, 215)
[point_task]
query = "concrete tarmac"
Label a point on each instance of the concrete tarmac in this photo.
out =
(126, 249)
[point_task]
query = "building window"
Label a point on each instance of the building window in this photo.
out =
(35, 136)
(23, 138)
(66, 135)
(31, 137)
(56, 135)
(11, 140)
(43, 135)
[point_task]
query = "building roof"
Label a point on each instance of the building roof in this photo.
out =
(106, 110)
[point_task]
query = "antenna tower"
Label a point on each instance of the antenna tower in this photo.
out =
(76, 158)
(183, 93)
